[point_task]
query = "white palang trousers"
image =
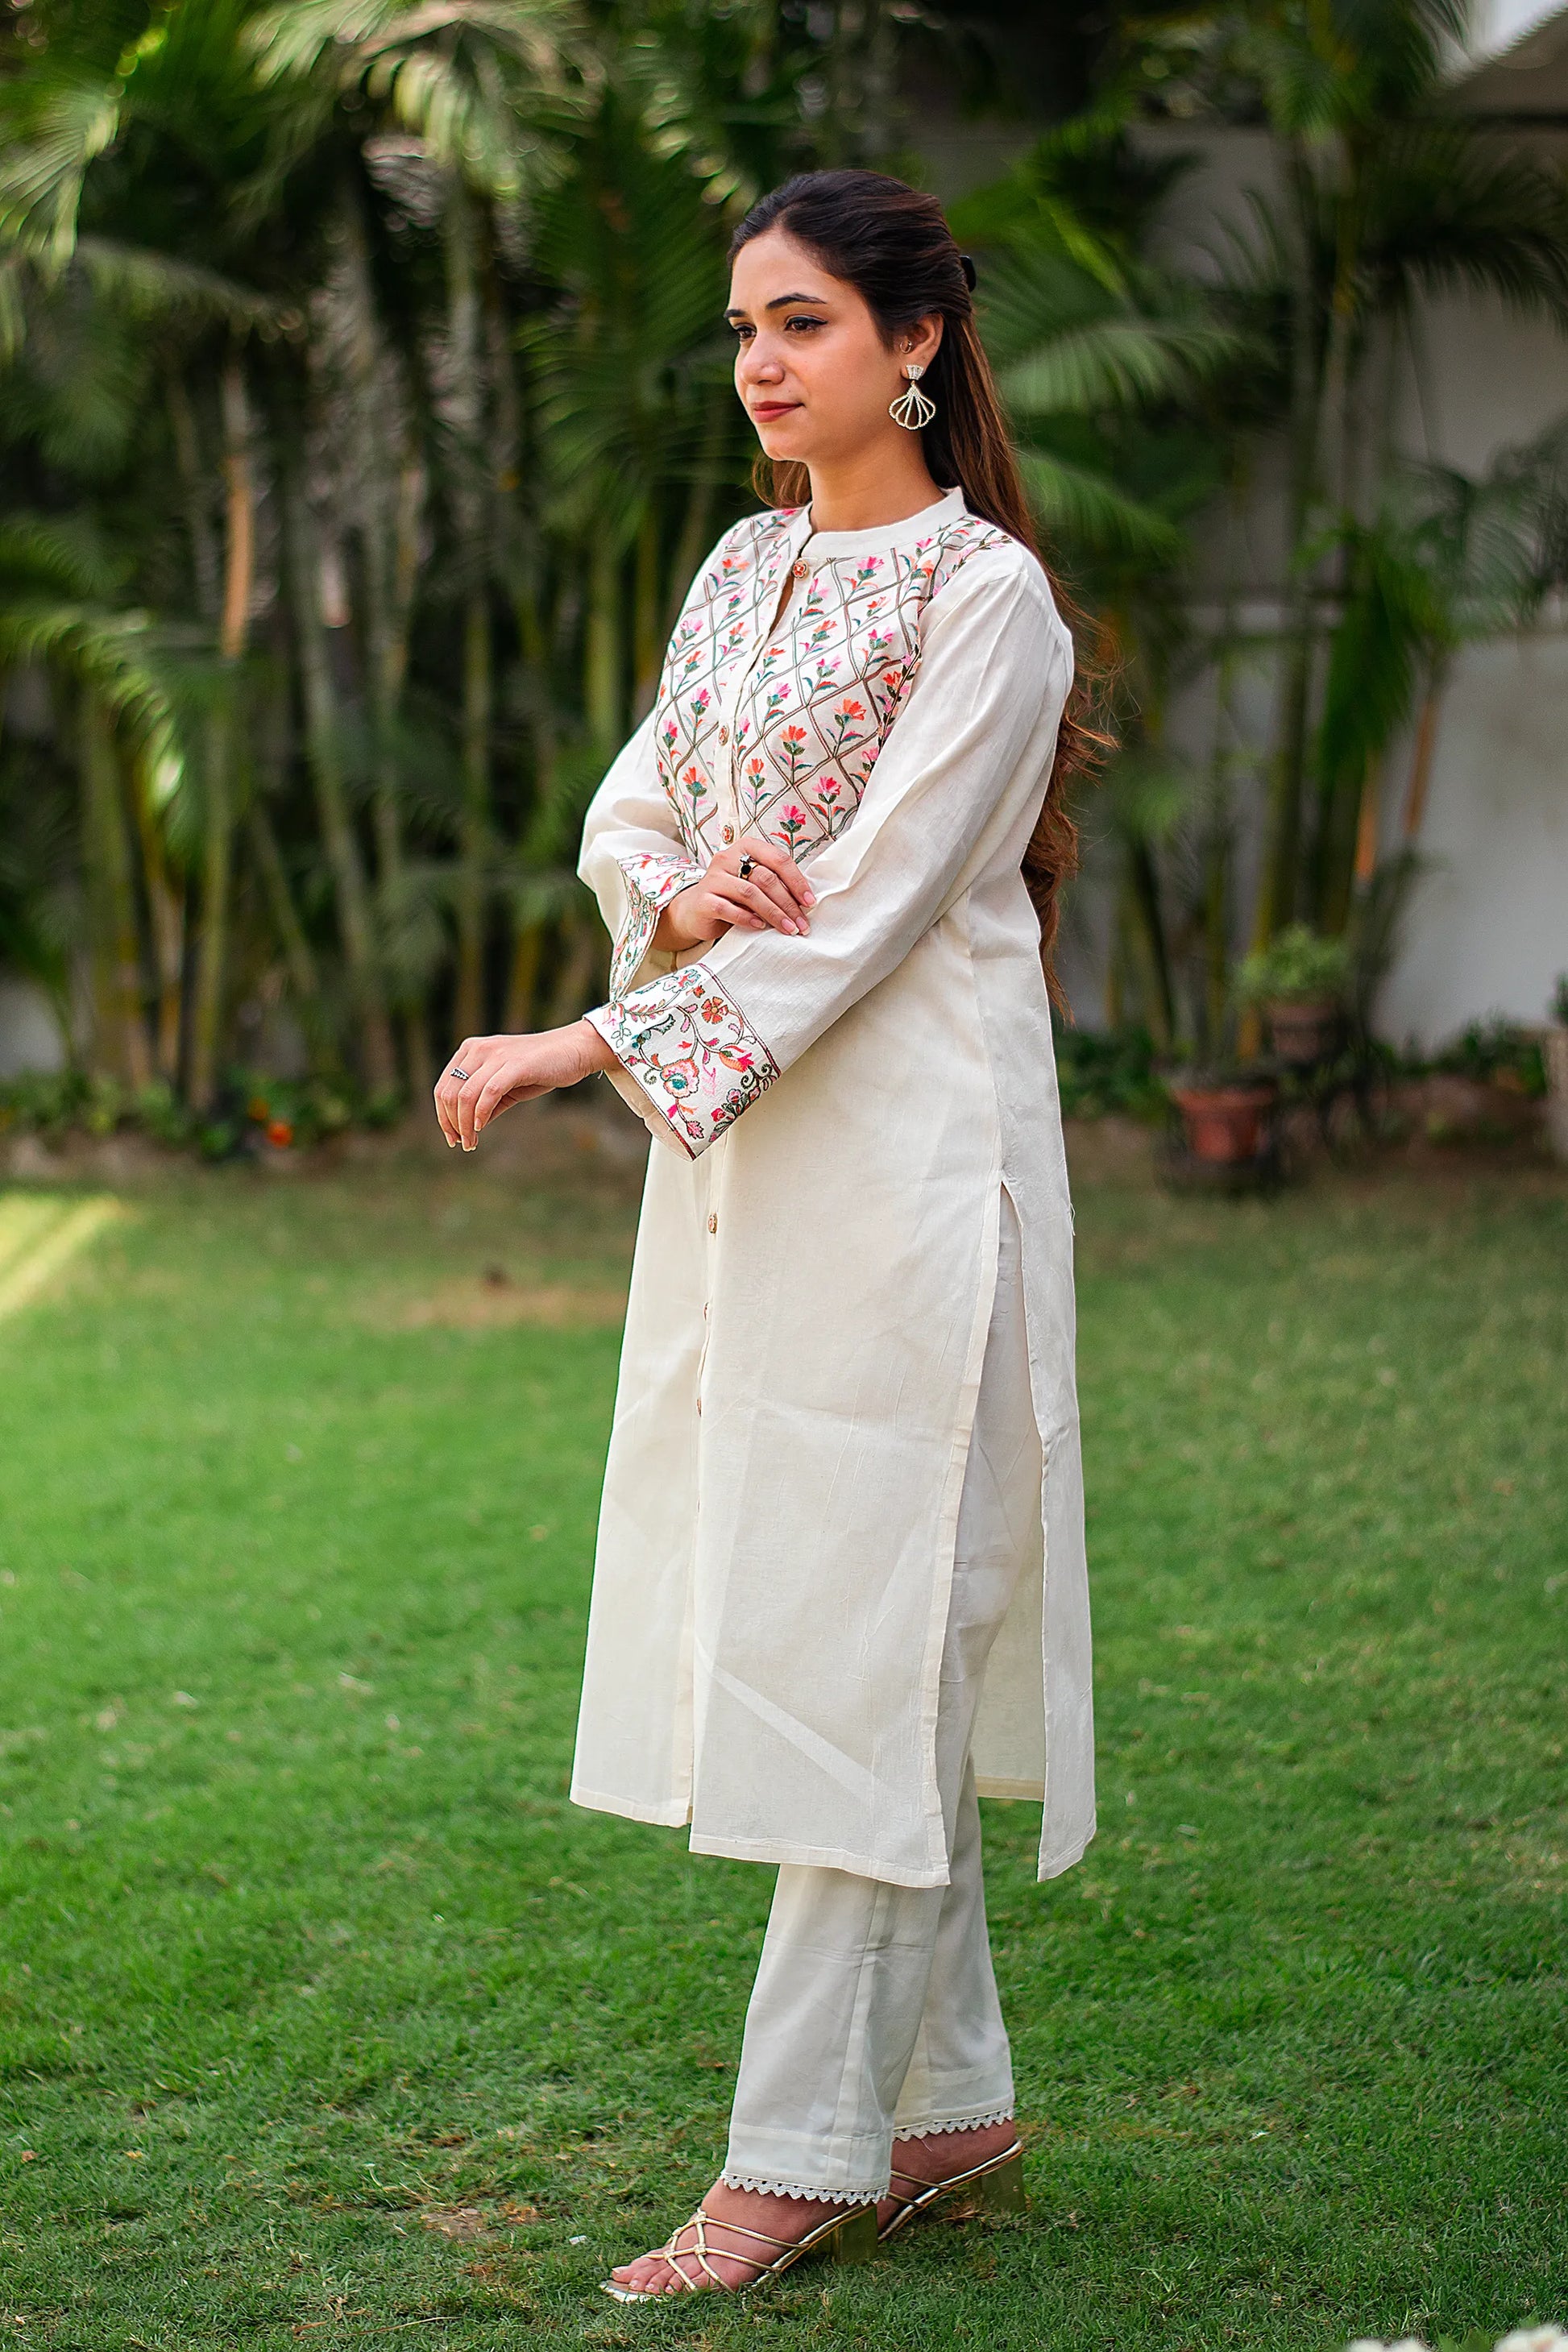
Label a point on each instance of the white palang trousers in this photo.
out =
(875, 2015)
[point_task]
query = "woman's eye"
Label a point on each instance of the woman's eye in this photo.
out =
(802, 321)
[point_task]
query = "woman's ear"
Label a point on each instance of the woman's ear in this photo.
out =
(920, 342)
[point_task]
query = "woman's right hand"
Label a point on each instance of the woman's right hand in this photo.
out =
(775, 896)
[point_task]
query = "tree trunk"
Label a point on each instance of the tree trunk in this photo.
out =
(224, 738)
(298, 956)
(1365, 865)
(463, 405)
(166, 922)
(522, 982)
(648, 649)
(1218, 844)
(212, 939)
(324, 749)
(1278, 875)
(473, 839)
(391, 510)
(120, 1043)
(602, 648)
(692, 544)
(1422, 757)
(1146, 937)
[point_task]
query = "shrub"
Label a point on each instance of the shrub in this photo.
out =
(1296, 964)
(1107, 1071)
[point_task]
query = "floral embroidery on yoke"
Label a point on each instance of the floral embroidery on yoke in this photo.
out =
(779, 736)
(690, 1049)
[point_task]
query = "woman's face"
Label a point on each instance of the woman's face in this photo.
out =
(812, 369)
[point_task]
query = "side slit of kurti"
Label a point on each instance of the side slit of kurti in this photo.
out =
(947, 1527)
(1051, 1437)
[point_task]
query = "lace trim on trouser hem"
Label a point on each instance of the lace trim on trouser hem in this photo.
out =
(793, 2188)
(967, 2123)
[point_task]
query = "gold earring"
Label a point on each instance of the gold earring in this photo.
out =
(912, 409)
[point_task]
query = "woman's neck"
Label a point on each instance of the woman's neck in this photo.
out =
(884, 486)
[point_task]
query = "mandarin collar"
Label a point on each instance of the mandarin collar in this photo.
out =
(877, 539)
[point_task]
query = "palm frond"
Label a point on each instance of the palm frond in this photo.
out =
(51, 129)
(1083, 506)
(1118, 363)
(1450, 209)
(470, 78)
(151, 285)
(112, 652)
(61, 552)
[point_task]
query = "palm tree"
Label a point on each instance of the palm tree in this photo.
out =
(482, 87)
(1387, 198)
(1123, 379)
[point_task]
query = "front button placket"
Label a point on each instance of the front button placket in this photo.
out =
(729, 734)
(712, 1162)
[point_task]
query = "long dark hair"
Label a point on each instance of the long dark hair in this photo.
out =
(894, 246)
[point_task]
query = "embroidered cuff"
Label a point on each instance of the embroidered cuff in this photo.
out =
(651, 883)
(690, 1050)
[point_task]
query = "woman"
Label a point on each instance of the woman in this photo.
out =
(843, 1489)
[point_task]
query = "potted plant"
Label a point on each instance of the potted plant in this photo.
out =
(1299, 981)
(1224, 1112)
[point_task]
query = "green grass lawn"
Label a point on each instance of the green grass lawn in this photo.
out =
(325, 2019)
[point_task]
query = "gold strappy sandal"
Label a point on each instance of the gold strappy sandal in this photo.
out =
(997, 2186)
(851, 2236)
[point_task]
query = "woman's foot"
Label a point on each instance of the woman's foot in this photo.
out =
(941, 2155)
(737, 2259)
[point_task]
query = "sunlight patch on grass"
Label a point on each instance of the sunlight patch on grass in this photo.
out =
(40, 1234)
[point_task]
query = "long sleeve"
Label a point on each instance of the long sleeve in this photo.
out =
(633, 860)
(970, 748)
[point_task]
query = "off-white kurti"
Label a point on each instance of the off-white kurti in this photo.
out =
(816, 1256)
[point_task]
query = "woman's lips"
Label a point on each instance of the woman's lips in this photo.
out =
(765, 410)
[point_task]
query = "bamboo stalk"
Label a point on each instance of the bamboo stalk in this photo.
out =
(323, 747)
(1422, 757)
(122, 1043)
(221, 778)
(473, 840)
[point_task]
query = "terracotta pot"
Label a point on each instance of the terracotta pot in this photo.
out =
(1305, 1029)
(1223, 1124)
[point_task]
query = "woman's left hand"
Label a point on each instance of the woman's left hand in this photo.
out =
(487, 1075)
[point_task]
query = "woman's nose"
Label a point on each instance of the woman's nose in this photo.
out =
(758, 366)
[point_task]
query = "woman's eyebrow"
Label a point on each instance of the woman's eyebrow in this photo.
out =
(737, 310)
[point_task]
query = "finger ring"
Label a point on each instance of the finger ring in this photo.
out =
(455, 1073)
(745, 866)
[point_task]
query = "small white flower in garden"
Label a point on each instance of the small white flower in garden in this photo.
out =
(1535, 2340)
(576, 2241)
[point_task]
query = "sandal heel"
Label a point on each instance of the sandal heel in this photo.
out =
(855, 2240)
(1002, 2192)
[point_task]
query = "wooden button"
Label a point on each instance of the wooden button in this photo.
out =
(714, 1221)
(800, 570)
(729, 833)
(723, 734)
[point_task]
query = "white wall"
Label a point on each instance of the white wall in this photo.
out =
(1486, 931)
(29, 1035)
